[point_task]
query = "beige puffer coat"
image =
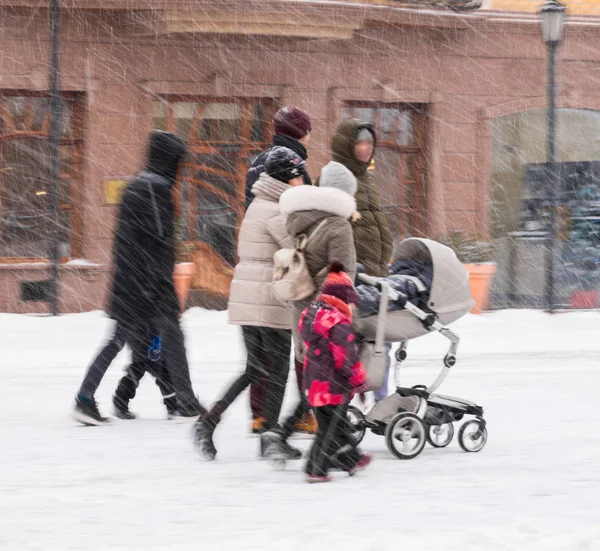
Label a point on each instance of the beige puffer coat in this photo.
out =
(262, 234)
(306, 207)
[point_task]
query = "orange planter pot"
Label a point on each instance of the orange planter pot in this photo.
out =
(480, 280)
(584, 299)
(182, 279)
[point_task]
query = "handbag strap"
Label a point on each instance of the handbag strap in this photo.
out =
(303, 240)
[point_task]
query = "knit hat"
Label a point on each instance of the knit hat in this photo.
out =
(339, 285)
(292, 122)
(336, 175)
(284, 165)
(365, 135)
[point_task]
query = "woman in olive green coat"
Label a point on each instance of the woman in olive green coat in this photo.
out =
(353, 145)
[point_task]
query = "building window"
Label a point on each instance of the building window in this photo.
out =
(223, 138)
(518, 148)
(399, 164)
(26, 217)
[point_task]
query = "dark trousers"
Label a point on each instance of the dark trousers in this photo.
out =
(258, 390)
(174, 356)
(136, 334)
(302, 408)
(261, 342)
(95, 372)
(127, 387)
(332, 446)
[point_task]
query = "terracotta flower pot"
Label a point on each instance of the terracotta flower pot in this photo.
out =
(480, 280)
(584, 299)
(182, 279)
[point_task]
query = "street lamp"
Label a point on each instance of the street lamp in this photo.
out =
(552, 16)
(55, 114)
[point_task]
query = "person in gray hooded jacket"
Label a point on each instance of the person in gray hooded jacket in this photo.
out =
(323, 213)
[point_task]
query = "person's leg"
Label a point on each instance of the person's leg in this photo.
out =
(86, 410)
(318, 462)
(98, 367)
(277, 344)
(258, 392)
(126, 389)
(205, 425)
(307, 422)
(382, 392)
(137, 337)
(173, 349)
(163, 381)
(344, 454)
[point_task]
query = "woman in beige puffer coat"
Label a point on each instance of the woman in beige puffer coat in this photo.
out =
(265, 321)
(323, 214)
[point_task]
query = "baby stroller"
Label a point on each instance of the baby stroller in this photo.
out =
(413, 416)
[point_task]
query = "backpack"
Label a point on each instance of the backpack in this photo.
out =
(291, 279)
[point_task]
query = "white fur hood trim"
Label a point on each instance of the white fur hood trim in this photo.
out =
(324, 199)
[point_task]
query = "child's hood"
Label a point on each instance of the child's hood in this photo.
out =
(318, 320)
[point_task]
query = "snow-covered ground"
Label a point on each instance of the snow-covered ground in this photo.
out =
(140, 484)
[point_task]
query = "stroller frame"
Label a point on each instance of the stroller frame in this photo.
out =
(406, 432)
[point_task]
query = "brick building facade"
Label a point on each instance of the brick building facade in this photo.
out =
(438, 85)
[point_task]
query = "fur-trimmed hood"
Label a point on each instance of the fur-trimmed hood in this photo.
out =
(327, 200)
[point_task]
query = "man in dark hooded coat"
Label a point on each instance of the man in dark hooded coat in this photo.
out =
(143, 291)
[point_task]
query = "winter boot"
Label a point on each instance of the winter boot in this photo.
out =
(171, 405)
(315, 479)
(363, 462)
(191, 411)
(121, 409)
(307, 424)
(203, 438)
(258, 425)
(86, 412)
(274, 446)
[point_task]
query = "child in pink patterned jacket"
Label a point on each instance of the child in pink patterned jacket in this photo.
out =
(332, 374)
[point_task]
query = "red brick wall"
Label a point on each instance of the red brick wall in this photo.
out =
(466, 75)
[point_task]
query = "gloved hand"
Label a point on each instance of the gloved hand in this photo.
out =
(154, 349)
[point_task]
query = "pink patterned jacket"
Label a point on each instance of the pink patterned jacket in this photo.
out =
(332, 370)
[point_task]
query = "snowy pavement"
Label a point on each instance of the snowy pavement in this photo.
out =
(140, 484)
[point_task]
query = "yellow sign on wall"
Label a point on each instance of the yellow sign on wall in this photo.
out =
(113, 191)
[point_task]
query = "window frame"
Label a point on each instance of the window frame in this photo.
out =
(411, 221)
(76, 141)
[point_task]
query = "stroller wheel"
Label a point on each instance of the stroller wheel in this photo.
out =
(405, 435)
(356, 419)
(439, 436)
(472, 436)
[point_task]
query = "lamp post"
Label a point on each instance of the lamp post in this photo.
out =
(552, 17)
(55, 113)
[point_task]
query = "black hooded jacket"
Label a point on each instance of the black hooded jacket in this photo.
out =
(258, 165)
(144, 242)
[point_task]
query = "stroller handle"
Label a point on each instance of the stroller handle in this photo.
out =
(370, 280)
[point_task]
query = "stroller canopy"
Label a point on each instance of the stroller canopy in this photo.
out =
(450, 290)
(449, 294)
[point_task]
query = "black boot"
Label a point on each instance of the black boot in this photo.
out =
(121, 408)
(86, 412)
(171, 405)
(274, 446)
(203, 438)
(191, 411)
